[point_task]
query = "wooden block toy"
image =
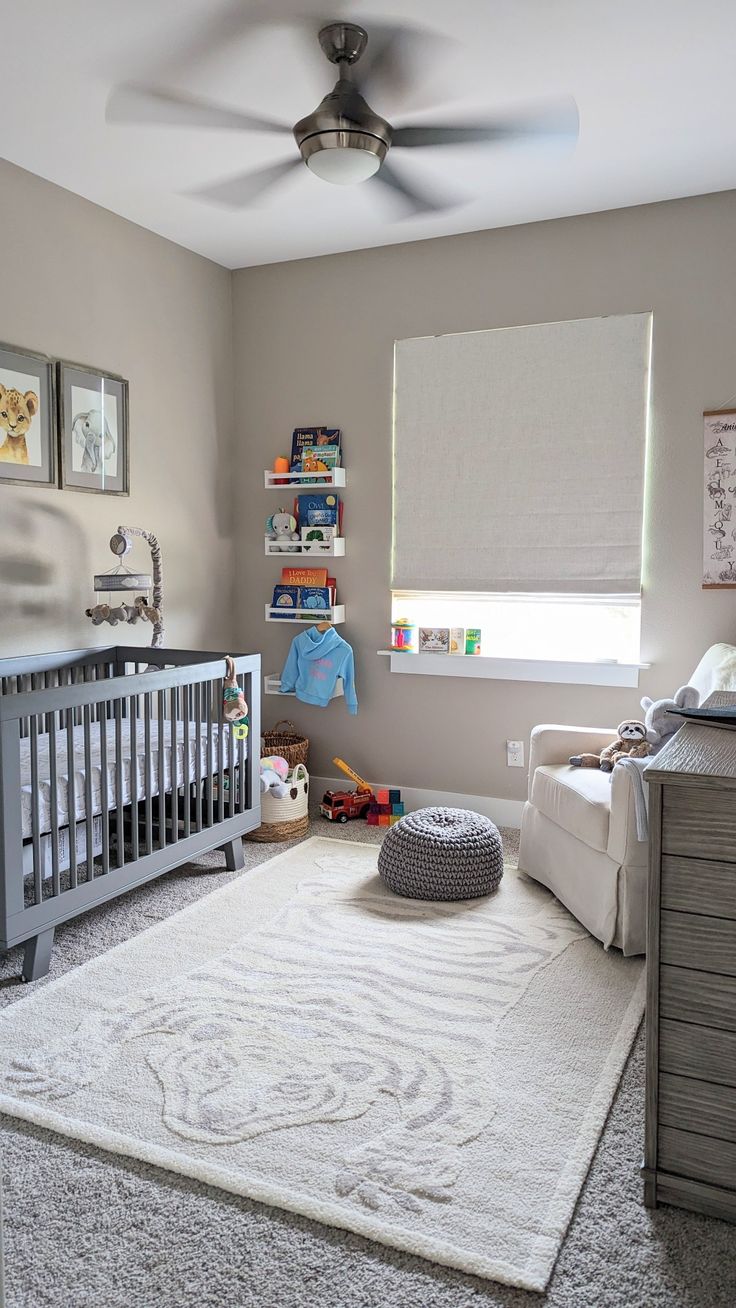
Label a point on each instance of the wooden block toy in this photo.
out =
(382, 796)
(397, 810)
(394, 796)
(384, 820)
(394, 819)
(372, 819)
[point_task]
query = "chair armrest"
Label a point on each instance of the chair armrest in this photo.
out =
(550, 743)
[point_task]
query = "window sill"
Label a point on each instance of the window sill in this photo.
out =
(549, 670)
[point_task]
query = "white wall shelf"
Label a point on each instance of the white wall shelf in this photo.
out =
(545, 670)
(301, 480)
(272, 686)
(335, 615)
(334, 548)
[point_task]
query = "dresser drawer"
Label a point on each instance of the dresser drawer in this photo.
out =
(693, 1105)
(695, 885)
(699, 823)
(698, 1052)
(702, 997)
(692, 940)
(699, 1156)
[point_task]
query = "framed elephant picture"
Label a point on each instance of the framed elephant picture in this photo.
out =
(93, 430)
(27, 418)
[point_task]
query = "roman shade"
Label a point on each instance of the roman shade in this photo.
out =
(519, 458)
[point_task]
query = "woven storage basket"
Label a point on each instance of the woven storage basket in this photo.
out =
(283, 819)
(286, 744)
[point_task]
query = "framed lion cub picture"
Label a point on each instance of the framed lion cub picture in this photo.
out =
(27, 418)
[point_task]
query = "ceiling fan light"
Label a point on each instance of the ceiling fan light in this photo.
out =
(343, 158)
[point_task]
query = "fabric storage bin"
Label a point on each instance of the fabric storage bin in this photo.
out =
(283, 819)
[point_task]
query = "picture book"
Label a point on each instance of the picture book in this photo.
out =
(318, 540)
(323, 443)
(285, 597)
(304, 576)
(434, 640)
(318, 509)
(314, 597)
(457, 640)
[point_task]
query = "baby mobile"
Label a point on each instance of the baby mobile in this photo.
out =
(120, 580)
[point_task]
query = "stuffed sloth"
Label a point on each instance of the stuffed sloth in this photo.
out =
(631, 742)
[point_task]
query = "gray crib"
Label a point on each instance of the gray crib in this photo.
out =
(115, 766)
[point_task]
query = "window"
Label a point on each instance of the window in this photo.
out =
(518, 486)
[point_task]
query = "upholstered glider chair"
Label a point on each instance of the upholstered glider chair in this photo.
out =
(578, 828)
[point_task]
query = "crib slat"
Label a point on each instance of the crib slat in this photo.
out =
(174, 754)
(210, 758)
(197, 757)
(133, 717)
(119, 814)
(161, 769)
(242, 779)
(71, 795)
(104, 793)
(54, 797)
(221, 729)
(186, 776)
(88, 806)
(35, 819)
(149, 771)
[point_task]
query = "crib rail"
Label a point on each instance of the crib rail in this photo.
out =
(132, 771)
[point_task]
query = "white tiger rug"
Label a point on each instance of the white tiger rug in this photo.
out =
(433, 1076)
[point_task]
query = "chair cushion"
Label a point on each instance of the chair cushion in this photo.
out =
(577, 799)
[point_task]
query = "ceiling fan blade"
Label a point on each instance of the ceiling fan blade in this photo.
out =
(132, 103)
(558, 121)
(397, 60)
(247, 188)
(412, 198)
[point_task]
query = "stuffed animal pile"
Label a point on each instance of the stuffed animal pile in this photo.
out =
(274, 771)
(636, 739)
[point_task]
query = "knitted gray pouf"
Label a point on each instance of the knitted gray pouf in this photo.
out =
(442, 853)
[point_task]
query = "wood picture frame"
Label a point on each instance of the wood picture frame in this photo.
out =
(719, 499)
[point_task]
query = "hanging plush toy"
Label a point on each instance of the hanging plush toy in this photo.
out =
(234, 707)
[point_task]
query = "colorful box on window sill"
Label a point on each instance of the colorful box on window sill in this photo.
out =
(403, 636)
(472, 640)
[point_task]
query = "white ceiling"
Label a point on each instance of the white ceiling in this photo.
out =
(652, 78)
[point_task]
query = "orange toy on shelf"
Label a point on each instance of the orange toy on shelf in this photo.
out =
(281, 464)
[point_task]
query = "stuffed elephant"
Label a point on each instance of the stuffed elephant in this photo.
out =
(90, 430)
(281, 527)
(660, 716)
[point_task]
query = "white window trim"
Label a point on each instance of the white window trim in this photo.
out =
(602, 673)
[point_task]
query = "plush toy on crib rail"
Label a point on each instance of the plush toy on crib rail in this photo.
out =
(234, 707)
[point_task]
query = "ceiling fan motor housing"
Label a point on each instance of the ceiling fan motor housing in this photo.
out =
(343, 120)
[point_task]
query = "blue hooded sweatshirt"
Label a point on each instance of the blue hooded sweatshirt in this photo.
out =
(315, 661)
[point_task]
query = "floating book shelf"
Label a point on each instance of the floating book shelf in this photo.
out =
(296, 480)
(334, 548)
(272, 686)
(335, 615)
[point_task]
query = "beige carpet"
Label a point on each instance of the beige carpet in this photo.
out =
(432, 1076)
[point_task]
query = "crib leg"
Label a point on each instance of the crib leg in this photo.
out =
(37, 955)
(234, 856)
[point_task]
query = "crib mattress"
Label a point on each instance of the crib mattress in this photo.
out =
(128, 745)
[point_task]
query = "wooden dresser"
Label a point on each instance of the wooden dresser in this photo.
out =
(690, 1141)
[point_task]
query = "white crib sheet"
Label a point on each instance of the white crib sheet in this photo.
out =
(62, 770)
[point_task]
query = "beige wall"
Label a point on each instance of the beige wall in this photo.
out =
(313, 344)
(79, 283)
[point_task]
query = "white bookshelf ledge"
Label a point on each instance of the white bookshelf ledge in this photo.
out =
(334, 548)
(335, 615)
(299, 480)
(272, 686)
(476, 665)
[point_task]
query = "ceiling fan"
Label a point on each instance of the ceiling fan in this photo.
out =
(344, 140)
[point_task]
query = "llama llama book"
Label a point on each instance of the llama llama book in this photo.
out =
(312, 446)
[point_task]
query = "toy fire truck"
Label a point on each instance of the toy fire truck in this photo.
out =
(339, 805)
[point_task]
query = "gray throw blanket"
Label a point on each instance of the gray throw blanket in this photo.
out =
(635, 768)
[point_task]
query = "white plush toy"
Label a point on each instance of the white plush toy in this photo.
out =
(274, 771)
(281, 527)
(659, 718)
